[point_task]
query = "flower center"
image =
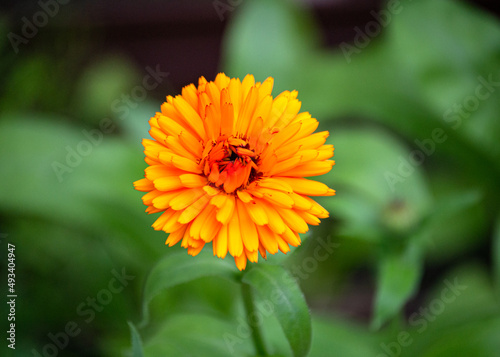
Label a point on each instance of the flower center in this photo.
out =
(229, 162)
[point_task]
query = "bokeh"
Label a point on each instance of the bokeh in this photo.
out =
(408, 264)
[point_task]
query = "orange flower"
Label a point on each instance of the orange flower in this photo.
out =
(226, 165)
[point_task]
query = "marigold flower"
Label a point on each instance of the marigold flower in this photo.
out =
(227, 164)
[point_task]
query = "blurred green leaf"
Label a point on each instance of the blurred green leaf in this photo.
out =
(398, 278)
(79, 183)
(460, 316)
(279, 289)
(381, 190)
(479, 338)
(496, 255)
(447, 52)
(137, 350)
(456, 223)
(103, 87)
(198, 335)
(32, 83)
(335, 337)
(179, 268)
(473, 295)
(453, 58)
(278, 33)
(372, 155)
(135, 124)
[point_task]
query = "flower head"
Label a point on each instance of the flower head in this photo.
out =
(227, 164)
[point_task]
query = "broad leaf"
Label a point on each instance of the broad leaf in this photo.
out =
(136, 341)
(496, 256)
(179, 268)
(277, 288)
(398, 277)
(459, 317)
(343, 338)
(190, 334)
(277, 33)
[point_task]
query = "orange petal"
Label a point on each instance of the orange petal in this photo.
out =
(186, 198)
(267, 239)
(252, 256)
(293, 220)
(307, 187)
(198, 223)
(180, 162)
(291, 237)
(194, 210)
(241, 261)
(275, 221)
(169, 183)
(194, 251)
(175, 237)
(247, 226)
(160, 222)
(220, 242)
(235, 242)
(226, 205)
(149, 197)
(193, 180)
(190, 114)
(314, 168)
(276, 197)
(144, 185)
(257, 213)
(163, 201)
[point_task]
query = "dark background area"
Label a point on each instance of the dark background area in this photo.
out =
(49, 90)
(184, 36)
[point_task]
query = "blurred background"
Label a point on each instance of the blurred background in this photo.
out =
(409, 91)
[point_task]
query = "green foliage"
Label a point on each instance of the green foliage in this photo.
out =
(422, 233)
(283, 297)
(496, 256)
(398, 277)
(190, 334)
(136, 341)
(342, 338)
(179, 268)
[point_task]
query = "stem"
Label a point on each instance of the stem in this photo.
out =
(256, 330)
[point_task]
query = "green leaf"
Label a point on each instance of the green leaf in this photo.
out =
(278, 288)
(101, 88)
(73, 189)
(195, 334)
(496, 256)
(457, 222)
(446, 55)
(373, 155)
(179, 268)
(478, 338)
(397, 196)
(137, 350)
(452, 57)
(277, 33)
(458, 317)
(334, 334)
(398, 277)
